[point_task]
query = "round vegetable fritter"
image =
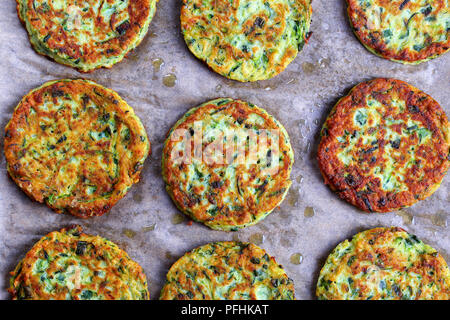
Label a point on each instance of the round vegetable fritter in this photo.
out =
(71, 265)
(384, 264)
(76, 146)
(385, 146)
(86, 34)
(406, 31)
(235, 165)
(227, 271)
(246, 40)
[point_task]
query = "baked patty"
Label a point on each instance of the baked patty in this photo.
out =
(406, 31)
(71, 265)
(227, 271)
(385, 146)
(76, 146)
(384, 264)
(86, 34)
(246, 40)
(227, 177)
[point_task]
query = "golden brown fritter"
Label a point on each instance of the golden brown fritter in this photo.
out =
(246, 40)
(86, 34)
(227, 271)
(385, 146)
(76, 146)
(406, 31)
(71, 265)
(384, 264)
(227, 178)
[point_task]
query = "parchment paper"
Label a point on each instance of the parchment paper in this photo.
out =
(301, 97)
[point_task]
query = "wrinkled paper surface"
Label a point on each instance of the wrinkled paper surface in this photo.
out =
(145, 223)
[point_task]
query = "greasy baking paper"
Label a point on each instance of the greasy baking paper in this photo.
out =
(161, 80)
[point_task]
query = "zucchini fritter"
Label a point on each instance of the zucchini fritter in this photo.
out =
(227, 271)
(86, 34)
(411, 31)
(384, 264)
(246, 40)
(229, 178)
(76, 146)
(71, 265)
(385, 146)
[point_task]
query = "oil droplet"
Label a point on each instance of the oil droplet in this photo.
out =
(137, 197)
(256, 238)
(178, 218)
(296, 258)
(309, 212)
(169, 255)
(149, 228)
(293, 196)
(292, 81)
(218, 87)
(406, 216)
(285, 214)
(308, 147)
(308, 67)
(301, 134)
(299, 179)
(129, 233)
(324, 62)
(169, 80)
(157, 63)
(236, 237)
(439, 219)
